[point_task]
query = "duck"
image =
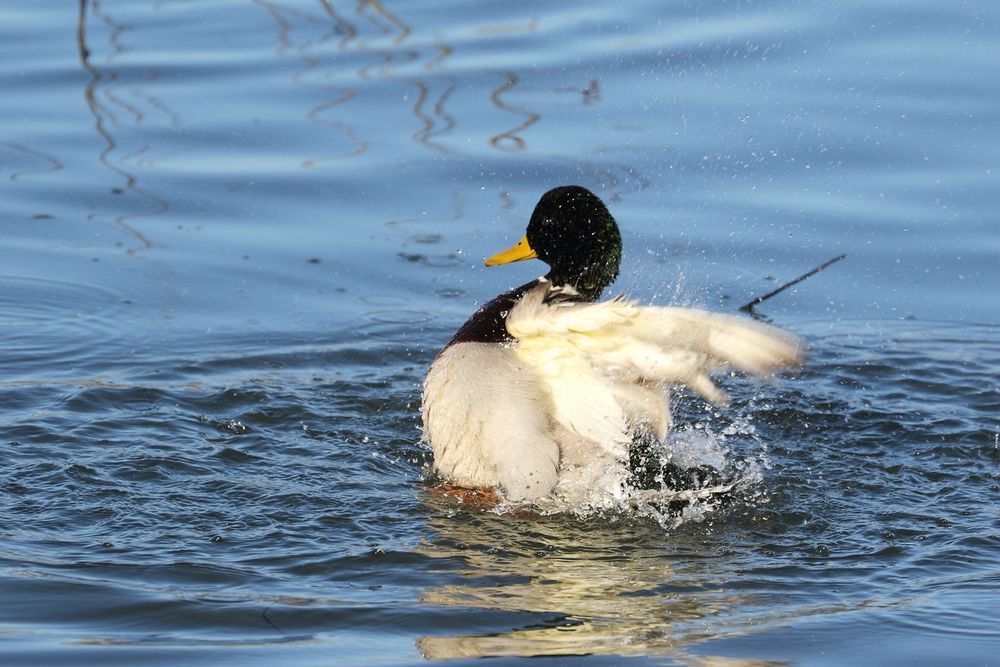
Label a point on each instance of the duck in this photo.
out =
(547, 388)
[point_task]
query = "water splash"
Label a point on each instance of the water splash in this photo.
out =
(697, 473)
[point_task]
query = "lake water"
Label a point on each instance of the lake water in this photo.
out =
(235, 233)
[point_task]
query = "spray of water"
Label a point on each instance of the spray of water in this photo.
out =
(697, 470)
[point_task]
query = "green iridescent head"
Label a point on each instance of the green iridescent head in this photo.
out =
(573, 232)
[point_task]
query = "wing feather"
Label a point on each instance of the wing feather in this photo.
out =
(597, 344)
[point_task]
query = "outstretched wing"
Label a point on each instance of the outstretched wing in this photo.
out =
(594, 355)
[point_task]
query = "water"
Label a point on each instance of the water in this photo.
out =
(235, 234)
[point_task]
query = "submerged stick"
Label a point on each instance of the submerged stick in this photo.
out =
(748, 307)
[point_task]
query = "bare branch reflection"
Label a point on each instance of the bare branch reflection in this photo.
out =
(511, 139)
(103, 103)
(431, 127)
(311, 72)
(457, 212)
(381, 12)
(317, 114)
(340, 24)
(375, 43)
(54, 163)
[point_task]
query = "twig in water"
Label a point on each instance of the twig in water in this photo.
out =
(748, 307)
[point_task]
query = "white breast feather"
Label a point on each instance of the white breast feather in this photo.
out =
(485, 416)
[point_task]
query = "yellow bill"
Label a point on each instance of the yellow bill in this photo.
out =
(519, 252)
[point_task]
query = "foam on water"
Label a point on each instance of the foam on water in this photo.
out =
(607, 490)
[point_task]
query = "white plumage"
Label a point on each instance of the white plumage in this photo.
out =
(543, 391)
(561, 403)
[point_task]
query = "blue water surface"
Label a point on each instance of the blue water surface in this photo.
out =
(235, 233)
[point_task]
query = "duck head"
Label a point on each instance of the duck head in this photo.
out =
(573, 232)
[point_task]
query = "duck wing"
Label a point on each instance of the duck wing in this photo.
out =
(602, 361)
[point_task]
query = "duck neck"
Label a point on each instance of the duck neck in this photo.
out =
(588, 283)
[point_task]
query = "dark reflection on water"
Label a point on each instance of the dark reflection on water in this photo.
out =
(112, 110)
(236, 233)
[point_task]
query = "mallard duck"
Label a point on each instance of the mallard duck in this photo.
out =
(545, 387)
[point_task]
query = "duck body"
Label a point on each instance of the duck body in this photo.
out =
(545, 390)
